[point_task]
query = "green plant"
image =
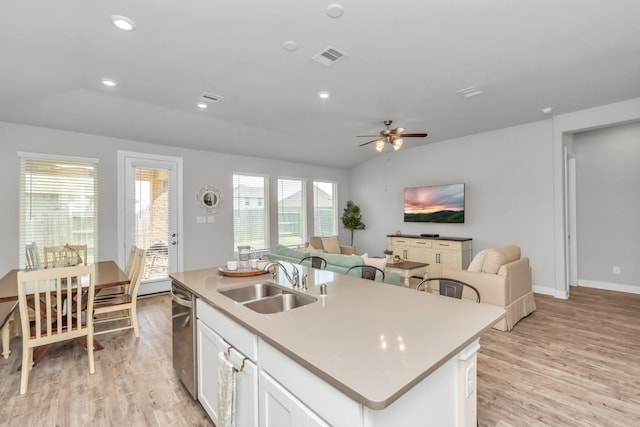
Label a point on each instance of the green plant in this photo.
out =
(352, 218)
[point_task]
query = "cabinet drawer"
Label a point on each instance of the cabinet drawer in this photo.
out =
(236, 335)
(447, 245)
(415, 243)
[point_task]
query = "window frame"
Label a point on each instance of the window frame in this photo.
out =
(264, 207)
(302, 221)
(334, 196)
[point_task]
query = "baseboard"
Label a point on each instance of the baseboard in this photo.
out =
(609, 286)
(544, 290)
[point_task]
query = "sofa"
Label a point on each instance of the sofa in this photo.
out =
(318, 243)
(503, 278)
(338, 263)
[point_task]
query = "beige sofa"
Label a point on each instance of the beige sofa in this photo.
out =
(332, 246)
(503, 278)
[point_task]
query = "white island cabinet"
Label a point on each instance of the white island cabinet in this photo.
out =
(363, 355)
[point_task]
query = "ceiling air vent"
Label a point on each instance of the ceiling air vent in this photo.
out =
(210, 98)
(470, 91)
(330, 56)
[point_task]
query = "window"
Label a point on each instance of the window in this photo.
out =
(58, 203)
(325, 208)
(292, 215)
(250, 215)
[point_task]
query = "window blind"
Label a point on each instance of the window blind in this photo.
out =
(250, 211)
(58, 203)
(292, 218)
(325, 208)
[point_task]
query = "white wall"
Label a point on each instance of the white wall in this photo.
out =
(204, 245)
(608, 202)
(508, 180)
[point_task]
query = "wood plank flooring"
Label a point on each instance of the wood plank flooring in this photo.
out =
(571, 363)
(134, 383)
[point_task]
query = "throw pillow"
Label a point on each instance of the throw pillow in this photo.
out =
(380, 263)
(478, 261)
(331, 245)
(313, 250)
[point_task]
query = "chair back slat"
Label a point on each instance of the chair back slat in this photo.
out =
(138, 267)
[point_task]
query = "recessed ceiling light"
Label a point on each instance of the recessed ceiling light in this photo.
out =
(109, 82)
(547, 110)
(123, 22)
(335, 10)
(202, 105)
(290, 46)
(324, 94)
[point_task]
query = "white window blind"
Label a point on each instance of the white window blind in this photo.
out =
(250, 211)
(292, 218)
(58, 203)
(325, 208)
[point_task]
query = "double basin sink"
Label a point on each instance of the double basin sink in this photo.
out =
(267, 298)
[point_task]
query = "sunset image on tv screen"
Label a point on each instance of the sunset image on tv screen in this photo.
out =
(439, 203)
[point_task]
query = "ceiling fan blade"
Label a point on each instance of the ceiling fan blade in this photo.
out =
(413, 135)
(369, 142)
(397, 131)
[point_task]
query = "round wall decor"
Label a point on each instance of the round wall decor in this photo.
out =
(209, 199)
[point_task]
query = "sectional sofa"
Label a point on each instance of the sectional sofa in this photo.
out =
(338, 263)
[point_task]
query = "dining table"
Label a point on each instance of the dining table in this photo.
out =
(107, 274)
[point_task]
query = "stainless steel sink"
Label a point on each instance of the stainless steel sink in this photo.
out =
(283, 302)
(252, 292)
(267, 298)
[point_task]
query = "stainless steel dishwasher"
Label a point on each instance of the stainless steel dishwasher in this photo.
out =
(184, 336)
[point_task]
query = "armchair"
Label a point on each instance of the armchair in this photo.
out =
(502, 278)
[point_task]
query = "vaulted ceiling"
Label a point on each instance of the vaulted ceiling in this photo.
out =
(405, 61)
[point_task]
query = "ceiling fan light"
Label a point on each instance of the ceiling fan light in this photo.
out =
(397, 143)
(380, 145)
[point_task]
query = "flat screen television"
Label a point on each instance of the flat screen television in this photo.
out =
(435, 203)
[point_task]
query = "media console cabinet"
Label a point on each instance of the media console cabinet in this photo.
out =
(439, 252)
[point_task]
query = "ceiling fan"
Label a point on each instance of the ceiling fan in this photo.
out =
(390, 136)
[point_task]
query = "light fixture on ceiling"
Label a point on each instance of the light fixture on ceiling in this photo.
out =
(547, 110)
(324, 94)
(290, 46)
(397, 143)
(380, 145)
(335, 10)
(393, 137)
(202, 105)
(109, 82)
(123, 22)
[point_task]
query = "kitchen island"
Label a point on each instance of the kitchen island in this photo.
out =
(366, 354)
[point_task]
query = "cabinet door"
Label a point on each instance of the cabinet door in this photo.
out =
(209, 346)
(279, 408)
(450, 260)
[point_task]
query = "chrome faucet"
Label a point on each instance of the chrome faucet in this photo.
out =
(295, 280)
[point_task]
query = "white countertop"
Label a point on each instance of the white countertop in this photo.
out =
(372, 341)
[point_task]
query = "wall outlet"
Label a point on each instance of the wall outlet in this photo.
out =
(616, 269)
(201, 219)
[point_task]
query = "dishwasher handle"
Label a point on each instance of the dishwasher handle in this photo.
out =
(177, 298)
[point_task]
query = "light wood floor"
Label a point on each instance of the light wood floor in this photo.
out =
(134, 383)
(571, 363)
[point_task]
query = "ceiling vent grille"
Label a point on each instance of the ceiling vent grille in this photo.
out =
(330, 56)
(210, 98)
(470, 91)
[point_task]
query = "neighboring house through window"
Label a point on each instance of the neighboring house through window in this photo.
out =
(250, 212)
(292, 215)
(325, 208)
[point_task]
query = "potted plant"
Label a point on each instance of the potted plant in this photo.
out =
(352, 218)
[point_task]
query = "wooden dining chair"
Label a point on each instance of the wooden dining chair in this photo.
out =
(65, 256)
(47, 293)
(7, 312)
(32, 259)
(128, 271)
(123, 304)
